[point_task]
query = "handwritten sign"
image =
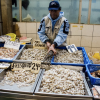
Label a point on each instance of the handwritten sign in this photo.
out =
(36, 65)
(12, 44)
(21, 66)
(38, 44)
(4, 65)
(71, 48)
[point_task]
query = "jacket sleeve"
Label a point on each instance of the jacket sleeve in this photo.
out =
(41, 31)
(62, 34)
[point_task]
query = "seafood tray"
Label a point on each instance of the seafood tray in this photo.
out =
(5, 75)
(74, 56)
(11, 60)
(29, 54)
(90, 68)
(87, 94)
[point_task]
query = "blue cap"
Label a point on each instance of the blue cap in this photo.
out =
(54, 5)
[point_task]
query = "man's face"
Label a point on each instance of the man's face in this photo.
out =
(54, 13)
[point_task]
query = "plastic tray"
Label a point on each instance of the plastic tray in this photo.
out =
(91, 68)
(6, 60)
(85, 56)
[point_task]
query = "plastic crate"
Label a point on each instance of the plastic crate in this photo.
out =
(85, 56)
(93, 60)
(6, 60)
(91, 68)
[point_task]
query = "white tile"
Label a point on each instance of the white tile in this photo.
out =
(37, 37)
(70, 33)
(38, 24)
(22, 27)
(75, 40)
(95, 49)
(33, 36)
(87, 30)
(23, 34)
(96, 31)
(76, 29)
(87, 49)
(96, 42)
(86, 41)
(31, 27)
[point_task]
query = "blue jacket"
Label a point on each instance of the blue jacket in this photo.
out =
(62, 34)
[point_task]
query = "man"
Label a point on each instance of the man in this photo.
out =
(54, 27)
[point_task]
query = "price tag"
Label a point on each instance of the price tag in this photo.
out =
(12, 44)
(4, 65)
(71, 48)
(36, 65)
(21, 66)
(38, 44)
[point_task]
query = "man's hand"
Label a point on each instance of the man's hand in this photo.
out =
(52, 47)
(48, 44)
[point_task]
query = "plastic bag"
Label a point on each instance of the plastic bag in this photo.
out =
(96, 55)
(95, 61)
(12, 35)
(28, 18)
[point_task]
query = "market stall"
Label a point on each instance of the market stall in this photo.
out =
(49, 49)
(25, 76)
